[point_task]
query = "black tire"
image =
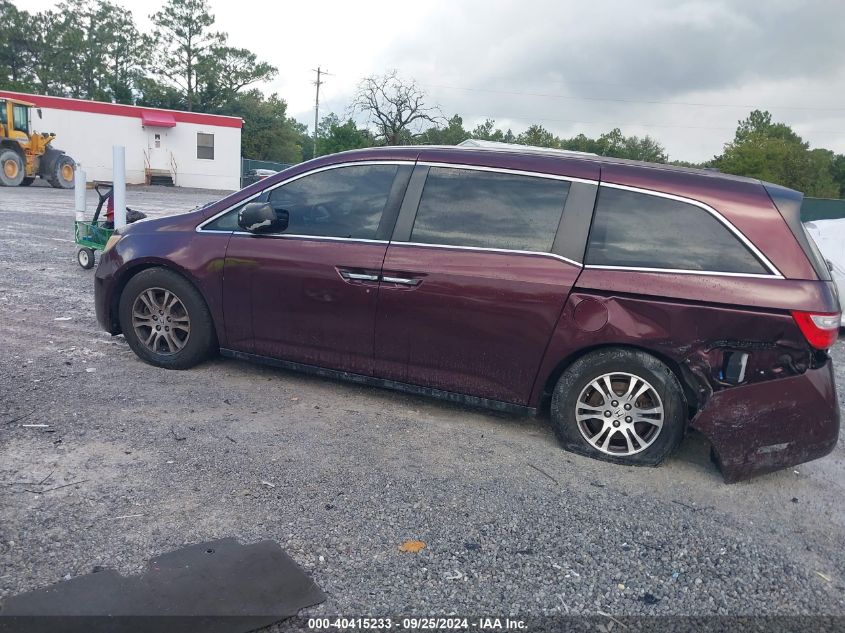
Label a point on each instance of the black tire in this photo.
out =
(61, 172)
(27, 181)
(85, 258)
(11, 168)
(197, 345)
(574, 395)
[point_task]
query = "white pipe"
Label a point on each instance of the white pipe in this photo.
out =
(119, 183)
(79, 192)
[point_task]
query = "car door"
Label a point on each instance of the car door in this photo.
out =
(475, 278)
(308, 294)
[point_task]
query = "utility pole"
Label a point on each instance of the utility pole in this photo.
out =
(320, 72)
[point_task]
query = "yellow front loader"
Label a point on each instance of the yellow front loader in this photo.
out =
(24, 154)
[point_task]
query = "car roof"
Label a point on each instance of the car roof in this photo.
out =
(529, 150)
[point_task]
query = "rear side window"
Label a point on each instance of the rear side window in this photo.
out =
(463, 207)
(645, 231)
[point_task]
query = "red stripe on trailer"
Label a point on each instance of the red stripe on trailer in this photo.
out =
(118, 109)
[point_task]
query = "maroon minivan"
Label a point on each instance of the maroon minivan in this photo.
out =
(635, 300)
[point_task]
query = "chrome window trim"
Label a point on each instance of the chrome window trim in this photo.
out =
(724, 221)
(491, 250)
(297, 236)
(682, 271)
(505, 170)
(201, 226)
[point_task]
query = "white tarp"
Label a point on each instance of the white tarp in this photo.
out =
(829, 235)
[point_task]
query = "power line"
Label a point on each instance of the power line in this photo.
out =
(614, 100)
(320, 72)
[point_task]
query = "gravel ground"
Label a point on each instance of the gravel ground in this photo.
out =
(341, 475)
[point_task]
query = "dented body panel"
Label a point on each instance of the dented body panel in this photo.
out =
(762, 427)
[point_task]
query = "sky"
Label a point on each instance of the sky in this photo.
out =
(682, 71)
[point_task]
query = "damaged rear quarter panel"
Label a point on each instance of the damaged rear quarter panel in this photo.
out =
(746, 421)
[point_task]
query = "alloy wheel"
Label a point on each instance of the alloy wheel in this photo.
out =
(160, 321)
(619, 414)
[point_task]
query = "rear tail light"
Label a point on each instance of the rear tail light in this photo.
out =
(820, 329)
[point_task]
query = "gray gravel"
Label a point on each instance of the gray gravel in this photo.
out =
(341, 475)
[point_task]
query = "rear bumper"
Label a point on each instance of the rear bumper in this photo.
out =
(763, 427)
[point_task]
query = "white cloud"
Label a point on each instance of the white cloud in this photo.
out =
(638, 65)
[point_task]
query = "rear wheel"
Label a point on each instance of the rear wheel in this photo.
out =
(165, 320)
(11, 168)
(619, 405)
(61, 172)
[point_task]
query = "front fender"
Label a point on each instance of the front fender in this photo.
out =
(200, 263)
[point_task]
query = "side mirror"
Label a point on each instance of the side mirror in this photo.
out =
(261, 217)
(39, 113)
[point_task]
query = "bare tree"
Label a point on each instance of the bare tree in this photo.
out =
(395, 106)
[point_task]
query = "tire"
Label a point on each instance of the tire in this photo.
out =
(27, 181)
(12, 170)
(191, 338)
(61, 172)
(587, 421)
(85, 258)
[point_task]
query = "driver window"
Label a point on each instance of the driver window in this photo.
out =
(341, 202)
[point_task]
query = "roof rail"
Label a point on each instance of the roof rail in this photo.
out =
(515, 147)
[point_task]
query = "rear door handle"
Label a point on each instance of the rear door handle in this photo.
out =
(404, 281)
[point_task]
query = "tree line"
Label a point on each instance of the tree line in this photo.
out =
(92, 49)
(761, 148)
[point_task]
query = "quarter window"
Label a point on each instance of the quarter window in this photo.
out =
(646, 231)
(205, 146)
(463, 207)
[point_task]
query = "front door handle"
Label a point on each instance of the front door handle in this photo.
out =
(358, 276)
(404, 281)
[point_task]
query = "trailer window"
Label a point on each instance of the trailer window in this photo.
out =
(205, 146)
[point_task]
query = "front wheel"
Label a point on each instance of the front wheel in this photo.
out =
(619, 405)
(165, 320)
(11, 168)
(85, 257)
